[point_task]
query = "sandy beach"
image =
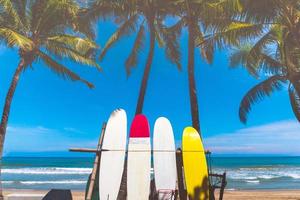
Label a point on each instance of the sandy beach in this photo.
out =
(262, 195)
(229, 195)
(77, 194)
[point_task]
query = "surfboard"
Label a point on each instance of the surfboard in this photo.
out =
(139, 159)
(112, 160)
(164, 159)
(195, 165)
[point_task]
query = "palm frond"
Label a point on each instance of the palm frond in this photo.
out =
(138, 45)
(171, 43)
(257, 93)
(159, 39)
(67, 52)
(61, 70)
(82, 45)
(54, 15)
(22, 11)
(126, 28)
(233, 34)
(102, 9)
(256, 62)
(295, 101)
(232, 6)
(8, 7)
(263, 11)
(262, 44)
(13, 38)
(206, 51)
(271, 65)
(85, 25)
(178, 26)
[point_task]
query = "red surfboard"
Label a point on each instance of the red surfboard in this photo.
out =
(139, 159)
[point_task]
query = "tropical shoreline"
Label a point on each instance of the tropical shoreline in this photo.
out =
(229, 194)
(260, 38)
(249, 173)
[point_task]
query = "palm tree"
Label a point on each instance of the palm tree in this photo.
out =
(266, 34)
(275, 56)
(212, 24)
(41, 30)
(137, 17)
(196, 16)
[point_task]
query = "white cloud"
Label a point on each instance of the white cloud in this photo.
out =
(39, 139)
(281, 137)
(27, 130)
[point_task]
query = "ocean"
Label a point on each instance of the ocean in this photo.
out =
(72, 173)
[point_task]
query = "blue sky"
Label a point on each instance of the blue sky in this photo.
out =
(50, 114)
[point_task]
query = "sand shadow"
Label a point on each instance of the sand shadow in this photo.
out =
(201, 193)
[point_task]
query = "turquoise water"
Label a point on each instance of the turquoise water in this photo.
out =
(72, 173)
(259, 172)
(46, 173)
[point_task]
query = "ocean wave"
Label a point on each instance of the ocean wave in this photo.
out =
(73, 182)
(253, 181)
(250, 178)
(47, 170)
(267, 176)
(261, 173)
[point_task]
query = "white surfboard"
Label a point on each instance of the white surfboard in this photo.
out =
(164, 159)
(112, 161)
(139, 160)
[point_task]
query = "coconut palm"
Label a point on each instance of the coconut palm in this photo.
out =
(139, 17)
(41, 31)
(266, 34)
(275, 56)
(195, 16)
(278, 71)
(213, 24)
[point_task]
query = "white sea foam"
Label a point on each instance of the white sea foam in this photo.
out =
(53, 182)
(251, 178)
(253, 181)
(261, 173)
(291, 174)
(48, 170)
(267, 176)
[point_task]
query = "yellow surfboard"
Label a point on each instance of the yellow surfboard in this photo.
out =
(195, 165)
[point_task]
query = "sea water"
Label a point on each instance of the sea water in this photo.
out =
(46, 172)
(72, 173)
(259, 172)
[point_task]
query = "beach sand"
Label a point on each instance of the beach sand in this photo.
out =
(262, 195)
(229, 195)
(77, 195)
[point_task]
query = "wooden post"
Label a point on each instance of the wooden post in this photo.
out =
(223, 185)
(96, 164)
(180, 177)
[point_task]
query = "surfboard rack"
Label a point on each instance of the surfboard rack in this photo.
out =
(89, 150)
(166, 194)
(91, 185)
(216, 181)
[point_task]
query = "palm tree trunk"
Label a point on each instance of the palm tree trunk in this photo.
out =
(140, 103)
(191, 77)
(5, 115)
